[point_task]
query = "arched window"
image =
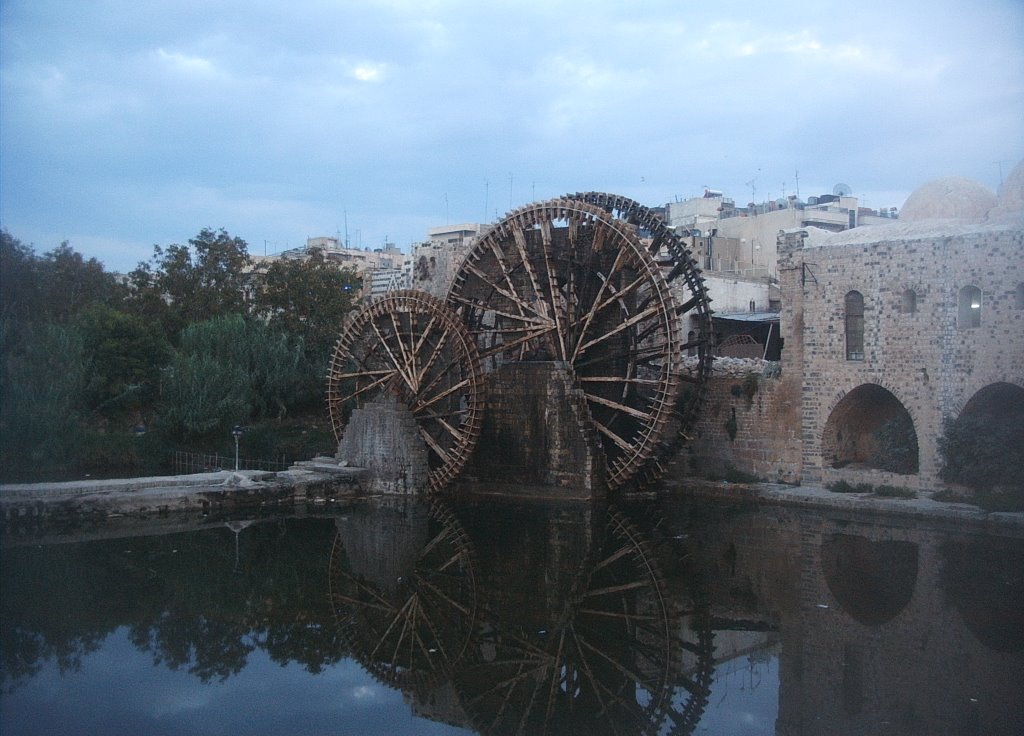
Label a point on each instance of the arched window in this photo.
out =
(969, 307)
(908, 304)
(1019, 301)
(854, 304)
(691, 337)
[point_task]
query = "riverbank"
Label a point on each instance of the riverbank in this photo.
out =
(324, 480)
(317, 481)
(814, 497)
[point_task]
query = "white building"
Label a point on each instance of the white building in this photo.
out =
(742, 240)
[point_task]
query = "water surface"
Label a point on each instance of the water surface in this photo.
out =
(497, 618)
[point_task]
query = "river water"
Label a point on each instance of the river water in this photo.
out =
(670, 617)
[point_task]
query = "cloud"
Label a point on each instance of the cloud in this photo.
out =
(186, 64)
(256, 120)
(368, 72)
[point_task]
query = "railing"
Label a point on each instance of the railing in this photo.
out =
(186, 463)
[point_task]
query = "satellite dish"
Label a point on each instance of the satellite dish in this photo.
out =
(842, 190)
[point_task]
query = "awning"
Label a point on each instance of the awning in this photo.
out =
(747, 316)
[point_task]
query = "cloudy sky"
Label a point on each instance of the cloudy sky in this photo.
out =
(126, 123)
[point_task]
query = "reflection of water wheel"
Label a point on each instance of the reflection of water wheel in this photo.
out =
(566, 281)
(611, 665)
(408, 345)
(684, 277)
(413, 629)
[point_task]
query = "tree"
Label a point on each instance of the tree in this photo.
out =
(308, 298)
(126, 356)
(185, 284)
(71, 284)
(52, 289)
(226, 371)
(19, 281)
(40, 409)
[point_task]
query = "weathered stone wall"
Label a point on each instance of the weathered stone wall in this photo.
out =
(434, 266)
(382, 438)
(931, 364)
(537, 436)
(749, 422)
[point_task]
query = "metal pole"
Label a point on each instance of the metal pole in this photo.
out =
(236, 432)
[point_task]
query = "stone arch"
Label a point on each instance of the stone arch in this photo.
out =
(968, 307)
(870, 427)
(981, 447)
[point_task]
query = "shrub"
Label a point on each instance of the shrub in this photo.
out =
(896, 446)
(983, 452)
(886, 491)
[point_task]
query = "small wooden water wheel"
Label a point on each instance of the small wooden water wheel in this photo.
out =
(410, 346)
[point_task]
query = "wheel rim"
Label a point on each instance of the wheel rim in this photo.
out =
(684, 278)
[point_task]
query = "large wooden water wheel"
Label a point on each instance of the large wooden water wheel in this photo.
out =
(566, 280)
(409, 346)
(616, 661)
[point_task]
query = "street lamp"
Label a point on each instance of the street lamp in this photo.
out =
(236, 432)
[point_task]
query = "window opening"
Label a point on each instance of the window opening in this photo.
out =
(969, 307)
(909, 302)
(854, 304)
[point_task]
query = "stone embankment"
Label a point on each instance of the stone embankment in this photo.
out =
(322, 481)
(315, 481)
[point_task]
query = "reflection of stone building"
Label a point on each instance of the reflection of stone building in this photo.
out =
(894, 628)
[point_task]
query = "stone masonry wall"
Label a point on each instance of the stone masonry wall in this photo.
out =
(924, 358)
(537, 436)
(748, 423)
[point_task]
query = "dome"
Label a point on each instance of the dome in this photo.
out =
(952, 197)
(1011, 193)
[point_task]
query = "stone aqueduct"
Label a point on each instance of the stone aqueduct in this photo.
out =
(893, 328)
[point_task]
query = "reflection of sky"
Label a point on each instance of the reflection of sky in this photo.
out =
(119, 691)
(744, 699)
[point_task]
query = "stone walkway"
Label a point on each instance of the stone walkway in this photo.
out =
(822, 498)
(316, 480)
(324, 479)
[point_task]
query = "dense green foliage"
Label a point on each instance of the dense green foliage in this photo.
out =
(196, 341)
(895, 446)
(983, 452)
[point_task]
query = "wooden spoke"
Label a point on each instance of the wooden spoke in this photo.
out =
(610, 661)
(675, 261)
(618, 406)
